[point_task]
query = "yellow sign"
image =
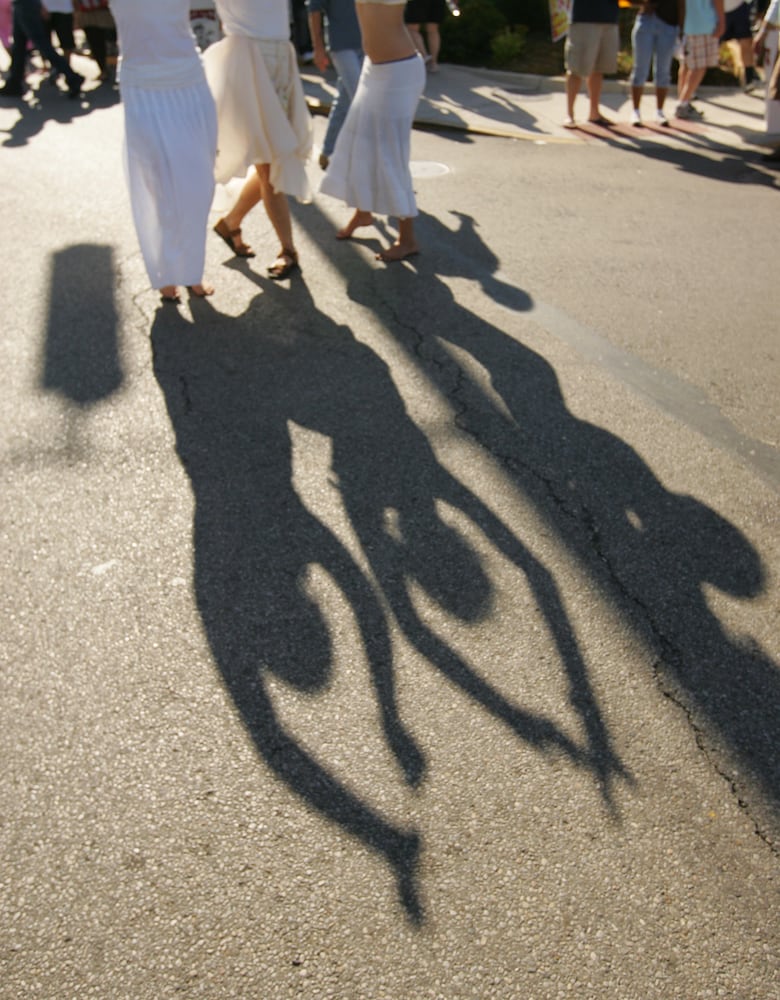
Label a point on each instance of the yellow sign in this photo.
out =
(560, 13)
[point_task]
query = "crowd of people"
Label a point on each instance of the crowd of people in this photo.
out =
(237, 109)
(691, 31)
(195, 118)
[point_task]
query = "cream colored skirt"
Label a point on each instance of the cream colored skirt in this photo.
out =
(261, 111)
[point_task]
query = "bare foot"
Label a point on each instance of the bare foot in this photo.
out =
(398, 251)
(358, 219)
(201, 291)
(168, 293)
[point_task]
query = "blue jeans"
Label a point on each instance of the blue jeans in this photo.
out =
(653, 41)
(347, 63)
(29, 25)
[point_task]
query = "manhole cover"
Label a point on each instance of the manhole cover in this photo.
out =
(427, 168)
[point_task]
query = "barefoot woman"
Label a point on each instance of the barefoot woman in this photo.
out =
(370, 164)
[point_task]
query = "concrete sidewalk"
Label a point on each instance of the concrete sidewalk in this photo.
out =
(532, 108)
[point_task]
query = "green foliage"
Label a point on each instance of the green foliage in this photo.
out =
(507, 46)
(535, 14)
(467, 39)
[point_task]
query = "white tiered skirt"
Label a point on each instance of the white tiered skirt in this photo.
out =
(369, 169)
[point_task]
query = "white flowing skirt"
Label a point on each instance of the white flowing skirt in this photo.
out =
(261, 110)
(369, 169)
(170, 146)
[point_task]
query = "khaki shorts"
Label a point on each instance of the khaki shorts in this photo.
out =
(591, 48)
(700, 51)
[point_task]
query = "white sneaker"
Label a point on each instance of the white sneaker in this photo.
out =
(660, 118)
(635, 119)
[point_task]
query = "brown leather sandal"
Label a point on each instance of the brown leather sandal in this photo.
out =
(233, 239)
(284, 265)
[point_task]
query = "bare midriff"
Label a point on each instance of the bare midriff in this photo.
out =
(385, 38)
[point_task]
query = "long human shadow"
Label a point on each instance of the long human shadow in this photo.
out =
(49, 104)
(232, 386)
(651, 551)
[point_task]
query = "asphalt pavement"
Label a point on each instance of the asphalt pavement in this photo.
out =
(396, 632)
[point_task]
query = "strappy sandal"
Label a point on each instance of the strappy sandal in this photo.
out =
(232, 238)
(284, 265)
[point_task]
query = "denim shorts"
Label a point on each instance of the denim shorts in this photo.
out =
(653, 41)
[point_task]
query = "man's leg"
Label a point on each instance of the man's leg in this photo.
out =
(693, 78)
(594, 82)
(15, 85)
(573, 83)
(434, 44)
(28, 15)
(338, 112)
(347, 64)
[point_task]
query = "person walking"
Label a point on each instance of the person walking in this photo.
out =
(426, 16)
(370, 165)
(29, 27)
(263, 122)
(335, 22)
(170, 140)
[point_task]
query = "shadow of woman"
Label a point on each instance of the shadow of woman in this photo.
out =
(652, 551)
(232, 387)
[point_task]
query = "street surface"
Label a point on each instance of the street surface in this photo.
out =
(396, 632)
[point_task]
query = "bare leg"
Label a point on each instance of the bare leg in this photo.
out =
(360, 218)
(277, 208)
(434, 45)
(250, 194)
(417, 38)
(228, 228)
(404, 246)
(660, 97)
(636, 97)
(594, 93)
(692, 80)
(682, 76)
(573, 83)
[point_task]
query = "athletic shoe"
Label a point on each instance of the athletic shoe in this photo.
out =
(688, 113)
(635, 118)
(660, 118)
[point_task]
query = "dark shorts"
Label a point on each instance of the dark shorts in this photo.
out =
(425, 11)
(62, 26)
(738, 23)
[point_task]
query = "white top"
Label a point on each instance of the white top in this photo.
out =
(255, 18)
(772, 15)
(156, 43)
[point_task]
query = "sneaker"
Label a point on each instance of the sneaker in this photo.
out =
(752, 84)
(635, 118)
(696, 112)
(688, 113)
(660, 118)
